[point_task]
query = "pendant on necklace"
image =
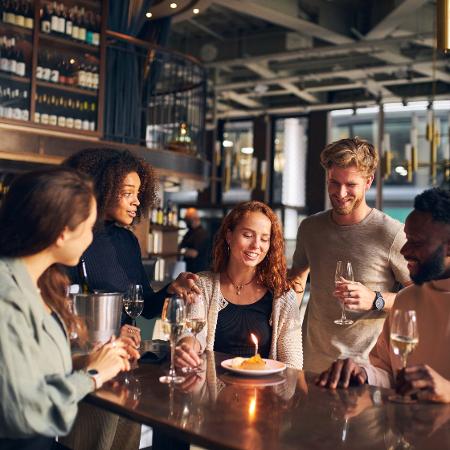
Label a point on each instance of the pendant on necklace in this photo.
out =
(238, 288)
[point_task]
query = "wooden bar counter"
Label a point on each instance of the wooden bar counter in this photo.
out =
(219, 410)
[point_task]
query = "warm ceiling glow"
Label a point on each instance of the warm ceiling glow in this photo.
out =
(173, 5)
(149, 14)
(195, 10)
(72, 61)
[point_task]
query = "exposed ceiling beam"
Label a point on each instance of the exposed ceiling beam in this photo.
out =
(321, 107)
(206, 29)
(290, 87)
(389, 68)
(390, 22)
(242, 99)
(274, 16)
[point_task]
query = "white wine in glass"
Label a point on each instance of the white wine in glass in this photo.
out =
(133, 302)
(404, 338)
(344, 269)
(173, 318)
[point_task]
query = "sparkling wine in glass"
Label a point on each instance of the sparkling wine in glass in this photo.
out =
(173, 318)
(133, 302)
(404, 339)
(344, 269)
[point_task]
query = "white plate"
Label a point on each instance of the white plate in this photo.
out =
(272, 366)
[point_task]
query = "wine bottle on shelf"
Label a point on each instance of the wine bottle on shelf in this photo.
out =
(90, 25)
(54, 70)
(54, 19)
(75, 24)
(29, 16)
(4, 61)
(46, 71)
(45, 20)
(96, 33)
(82, 273)
(82, 26)
(61, 20)
(9, 13)
(69, 23)
(93, 117)
(12, 56)
(20, 65)
(19, 14)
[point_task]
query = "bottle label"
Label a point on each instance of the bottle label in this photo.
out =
(8, 112)
(44, 119)
(69, 27)
(54, 76)
(12, 65)
(62, 25)
(10, 18)
(61, 121)
(46, 74)
(69, 122)
(53, 120)
(37, 117)
(75, 31)
(92, 125)
(85, 125)
(96, 39)
(16, 113)
(4, 64)
(39, 71)
(20, 21)
(82, 34)
(25, 114)
(89, 37)
(29, 23)
(55, 24)
(77, 124)
(20, 69)
(45, 26)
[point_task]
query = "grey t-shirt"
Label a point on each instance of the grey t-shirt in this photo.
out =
(373, 247)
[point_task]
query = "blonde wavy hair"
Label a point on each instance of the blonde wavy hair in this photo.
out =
(351, 152)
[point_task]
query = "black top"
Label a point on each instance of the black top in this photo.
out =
(236, 322)
(113, 262)
(197, 239)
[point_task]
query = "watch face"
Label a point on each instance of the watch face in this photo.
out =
(379, 303)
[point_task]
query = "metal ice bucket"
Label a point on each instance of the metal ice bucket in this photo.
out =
(101, 313)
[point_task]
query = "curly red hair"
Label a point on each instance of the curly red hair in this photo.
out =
(271, 272)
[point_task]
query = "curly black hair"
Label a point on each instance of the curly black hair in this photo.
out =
(108, 168)
(435, 201)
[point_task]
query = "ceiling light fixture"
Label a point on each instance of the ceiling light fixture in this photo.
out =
(173, 5)
(149, 14)
(195, 10)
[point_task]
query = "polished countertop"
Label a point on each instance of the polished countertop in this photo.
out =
(284, 411)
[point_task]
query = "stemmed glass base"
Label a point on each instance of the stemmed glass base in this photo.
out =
(172, 377)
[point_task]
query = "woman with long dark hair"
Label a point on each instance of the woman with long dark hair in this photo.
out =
(248, 292)
(46, 220)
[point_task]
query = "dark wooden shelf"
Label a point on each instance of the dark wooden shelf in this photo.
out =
(16, 28)
(68, 42)
(9, 77)
(66, 88)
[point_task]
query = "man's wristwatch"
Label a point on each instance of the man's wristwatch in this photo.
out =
(378, 303)
(93, 373)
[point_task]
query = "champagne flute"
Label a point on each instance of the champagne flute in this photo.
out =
(404, 338)
(195, 322)
(344, 269)
(173, 322)
(133, 302)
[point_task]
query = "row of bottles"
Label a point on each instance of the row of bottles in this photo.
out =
(62, 111)
(74, 23)
(17, 12)
(14, 103)
(67, 71)
(165, 217)
(11, 58)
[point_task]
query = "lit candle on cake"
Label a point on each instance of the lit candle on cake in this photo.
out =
(255, 341)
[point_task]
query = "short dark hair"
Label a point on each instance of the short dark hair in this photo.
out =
(435, 201)
(108, 167)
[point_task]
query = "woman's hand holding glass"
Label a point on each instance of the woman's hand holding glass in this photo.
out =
(111, 358)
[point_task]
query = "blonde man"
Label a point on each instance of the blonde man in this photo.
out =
(350, 231)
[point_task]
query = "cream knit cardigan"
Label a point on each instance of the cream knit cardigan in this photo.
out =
(286, 344)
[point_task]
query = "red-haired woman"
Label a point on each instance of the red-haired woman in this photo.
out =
(248, 292)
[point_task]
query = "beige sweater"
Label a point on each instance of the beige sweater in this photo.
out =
(432, 304)
(286, 343)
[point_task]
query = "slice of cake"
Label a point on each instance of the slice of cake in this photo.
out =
(253, 363)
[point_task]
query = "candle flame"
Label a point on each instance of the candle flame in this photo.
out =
(254, 339)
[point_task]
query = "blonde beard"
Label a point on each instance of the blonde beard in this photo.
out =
(349, 209)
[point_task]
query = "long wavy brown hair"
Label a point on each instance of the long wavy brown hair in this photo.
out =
(271, 272)
(37, 208)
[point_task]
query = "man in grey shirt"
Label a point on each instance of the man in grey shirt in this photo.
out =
(350, 231)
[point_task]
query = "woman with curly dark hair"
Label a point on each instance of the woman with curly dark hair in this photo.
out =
(248, 292)
(125, 188)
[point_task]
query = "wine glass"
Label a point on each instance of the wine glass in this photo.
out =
(173, 322)
(344, 269)
(195, 322)
(133, 302)
(404, 338)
